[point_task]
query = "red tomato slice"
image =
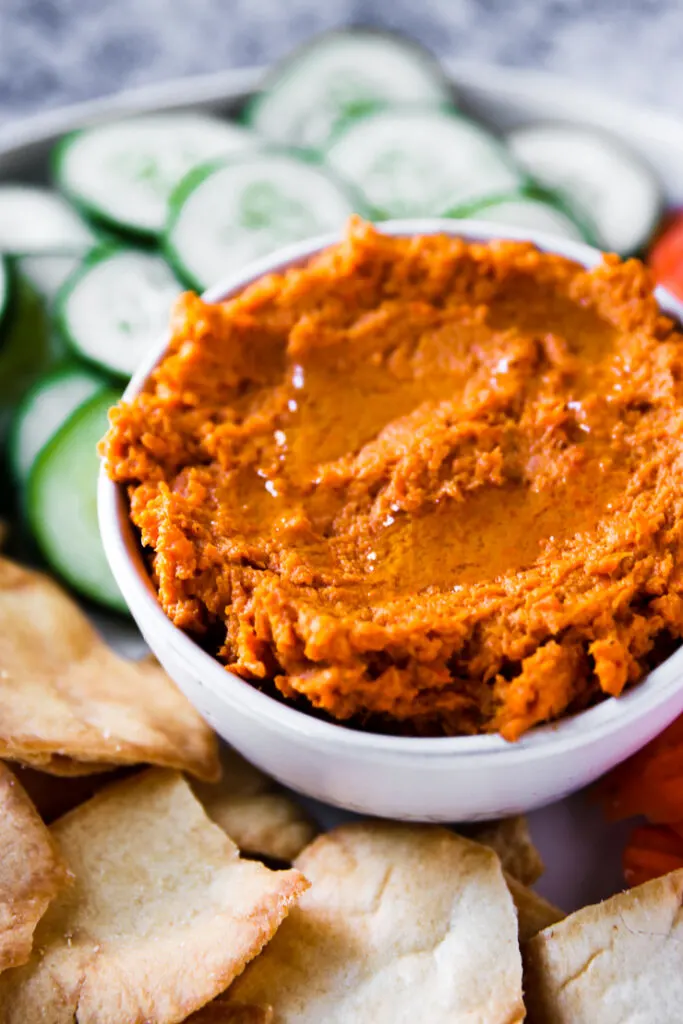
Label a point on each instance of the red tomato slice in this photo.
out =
(666, 255)
(651, 851)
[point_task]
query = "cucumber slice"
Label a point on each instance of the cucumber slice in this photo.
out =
(25, 351)
(48, 404)
(115, 306)
(524, 211)
(35, 220)
(124, 172)
(48, 273)
(417, 162)
(226, 214)
(62, 502)
(597, 174)
(341, 74)
(4, 288)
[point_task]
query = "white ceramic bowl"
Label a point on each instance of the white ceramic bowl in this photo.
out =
(442, 779)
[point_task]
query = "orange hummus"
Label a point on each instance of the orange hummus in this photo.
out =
(420, 485)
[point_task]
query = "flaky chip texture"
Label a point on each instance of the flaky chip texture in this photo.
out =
(257, 814)
(69, 705)
(32, 871)
(401, 923)
(614, 962)
(161, 917)
(511, 840)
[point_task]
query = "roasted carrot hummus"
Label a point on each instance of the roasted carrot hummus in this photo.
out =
(425, 485)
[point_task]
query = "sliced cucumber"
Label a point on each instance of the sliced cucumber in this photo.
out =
(62, 502)
(525, 211)
(4, 288)
(48, 404)
(598, 174)
(340, 74)
(25, 351)
(35, 220)
(48, 273)
(417, 162)
(115, 306)
(226, 214)
(124, 172)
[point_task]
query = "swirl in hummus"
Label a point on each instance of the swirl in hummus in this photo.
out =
(424, 485)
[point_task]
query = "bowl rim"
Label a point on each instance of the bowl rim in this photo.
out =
(125, 559)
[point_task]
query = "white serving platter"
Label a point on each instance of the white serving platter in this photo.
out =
(582, 853)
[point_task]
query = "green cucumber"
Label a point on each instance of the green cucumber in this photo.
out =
(597, 174)
(5, 288)
(115, 306)
(25, 348)
(339, 74)
(46, 406)
(61, 501)
(34, 219)
(524, 210)
(226, 214)
(420, 162)
(123, 172)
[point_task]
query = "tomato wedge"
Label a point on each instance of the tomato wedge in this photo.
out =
(652, 851)
(666, 255)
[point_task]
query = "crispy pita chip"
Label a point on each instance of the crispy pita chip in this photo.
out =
(511, 840)
(222, 1012)
(32, 871)
(534, 913)
(614, 962)
(256, 813)
(401, 923)
(69, 705)
(162, 915)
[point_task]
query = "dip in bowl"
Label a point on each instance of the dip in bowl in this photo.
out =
(404, 500)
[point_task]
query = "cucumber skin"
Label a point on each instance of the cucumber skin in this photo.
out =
(198, 174)
(95, 256)
(534, 192)
(25, 350)
(640, 251)
(344, 123)
(112, 602)
(9, 267)
(63, 369)
(251, 105)
(376, 213)
(104, 225)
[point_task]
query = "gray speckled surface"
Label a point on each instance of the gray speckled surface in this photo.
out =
(56, 51)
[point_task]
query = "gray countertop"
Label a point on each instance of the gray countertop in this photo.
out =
(54, 52)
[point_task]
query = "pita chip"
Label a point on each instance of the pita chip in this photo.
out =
(222, 1012)
(533, 911)
(257, 814)
(70, 706)
(614, 962)
(32, 871)
(401, 923)
(161, 917)
(511, 840)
